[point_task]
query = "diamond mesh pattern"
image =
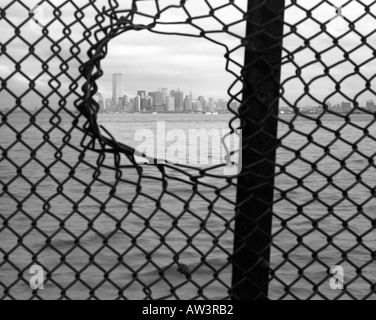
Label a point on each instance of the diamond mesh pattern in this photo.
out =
(74, 200)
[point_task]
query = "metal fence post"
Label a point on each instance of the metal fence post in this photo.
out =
(262, 71)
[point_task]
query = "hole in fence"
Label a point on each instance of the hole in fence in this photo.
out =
(182, 218)
(167, 97)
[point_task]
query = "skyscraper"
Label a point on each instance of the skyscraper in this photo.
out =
(222, 105)
(137, 104)
(188, 102)
(202, 104)
(164, 91)
(117, 87)
(211, 105)
(152, 96)
(108, 104)
(170, 104)
(346, 107)
(370, 105)
(120, 105)
(198, 107)
(142, 94)
(179, 100)
(159, 101)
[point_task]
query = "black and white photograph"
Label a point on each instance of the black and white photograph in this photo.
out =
(208, 151)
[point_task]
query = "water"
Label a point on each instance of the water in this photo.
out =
(75, 223)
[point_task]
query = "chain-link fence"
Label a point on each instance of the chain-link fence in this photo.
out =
(77, 208)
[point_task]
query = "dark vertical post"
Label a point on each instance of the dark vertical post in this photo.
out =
(259, 113)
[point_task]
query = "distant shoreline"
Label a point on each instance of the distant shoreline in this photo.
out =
(74, 111)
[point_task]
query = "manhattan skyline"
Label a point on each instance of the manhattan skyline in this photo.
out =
(162, 100)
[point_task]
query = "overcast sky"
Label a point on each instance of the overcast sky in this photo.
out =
(150, 61)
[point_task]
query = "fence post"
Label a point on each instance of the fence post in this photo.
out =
(259, 112)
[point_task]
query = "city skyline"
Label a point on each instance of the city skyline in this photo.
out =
(125, 84)
(146, 58)
(165, 100)
(161, 100)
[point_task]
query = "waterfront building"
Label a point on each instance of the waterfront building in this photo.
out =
(198, 106)
(108, 104)
(117, 87)
(211, 105)
(202, 103)
(142, 94)
(346, 107)
(152, 96)
(370, 106)
(179, 100)
(164, 91)
(222, 105)
(159, 102)
(137, 103)
(170, 104)
(120, 105)
(144, 104)
(188, 103)
(131, 107)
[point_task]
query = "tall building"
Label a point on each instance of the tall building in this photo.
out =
(152, 97)
(198, 106)
(159, 102)
(370, 106)
(164, 92)
(117, 87)
(127, 104)
(222, 105)
(151, 103)
(131, 105)
(179, 100)
(202, 104)
(120, 105)
(137, 104)
(108, 104)
(194, 106)
(346, 107)
(147, 103)
(142, 94)
(170, 104)
(211, 105)
(188, 102)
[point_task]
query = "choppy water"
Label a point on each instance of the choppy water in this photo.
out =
(64, 208)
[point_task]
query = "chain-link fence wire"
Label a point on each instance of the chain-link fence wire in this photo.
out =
(75, 201)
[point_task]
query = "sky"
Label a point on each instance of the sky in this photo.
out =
(150, 61)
